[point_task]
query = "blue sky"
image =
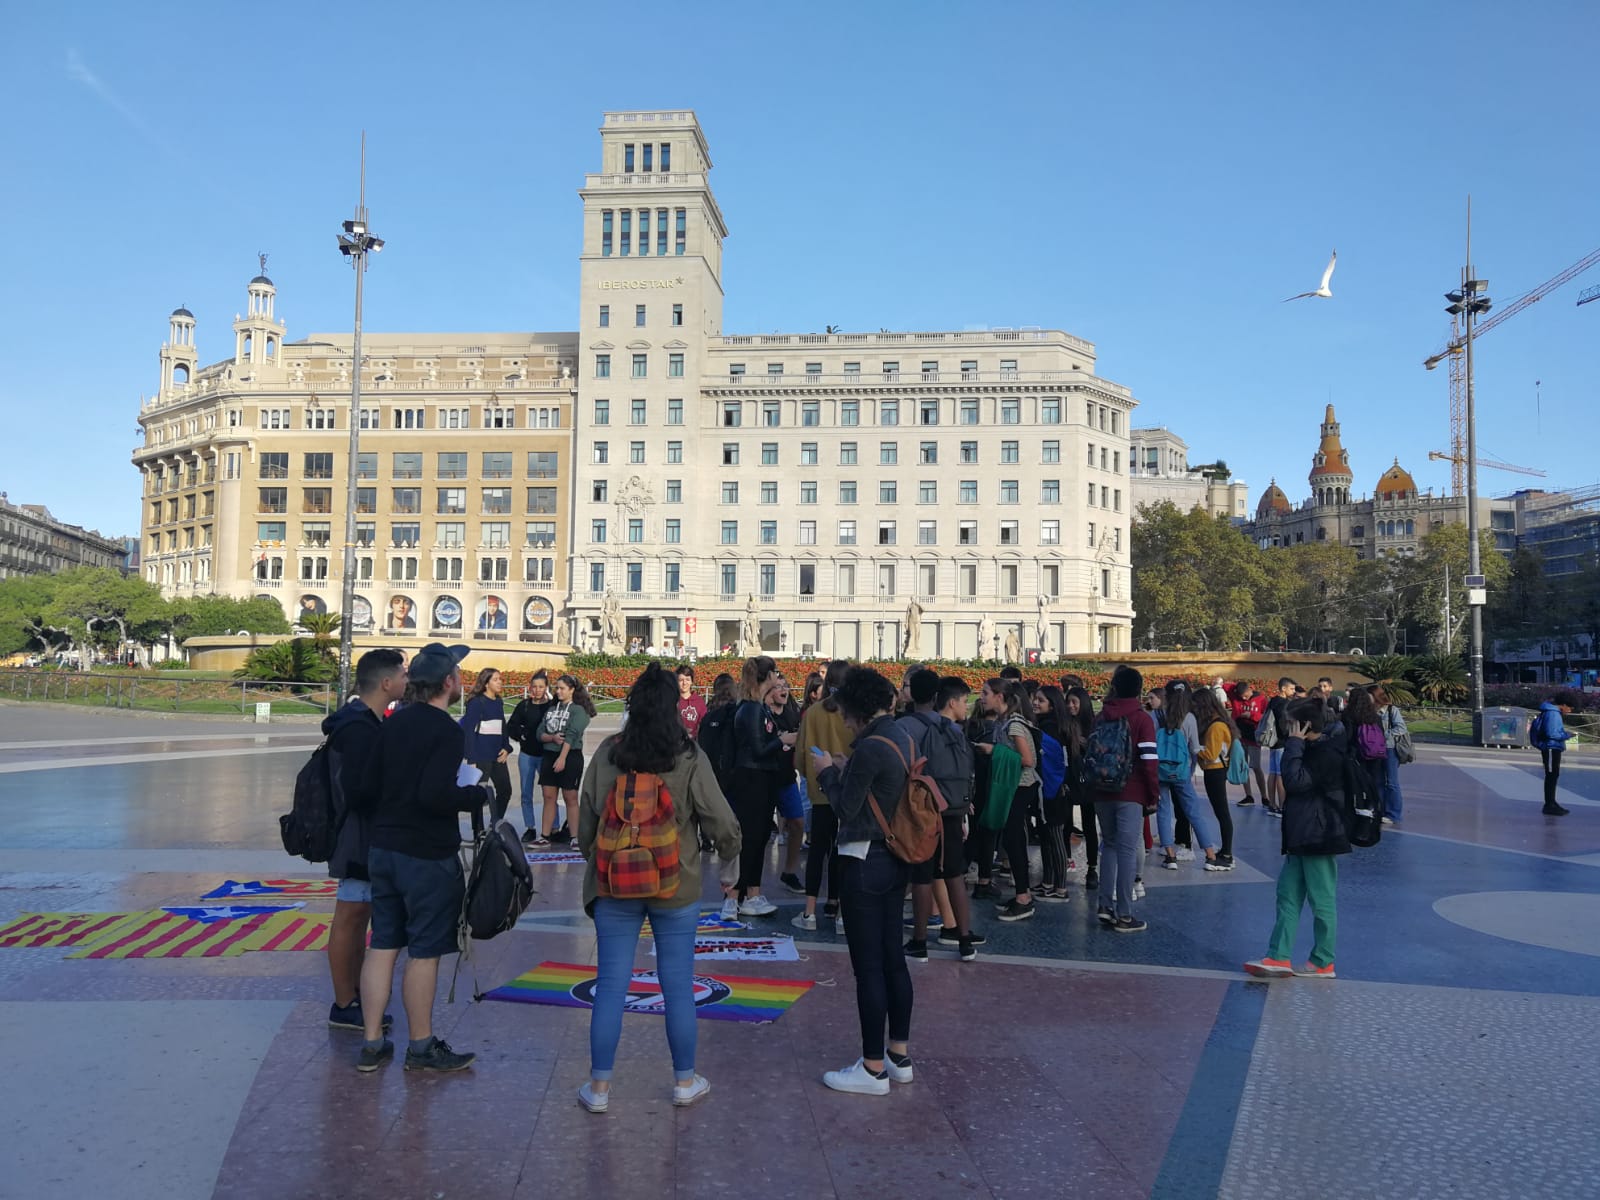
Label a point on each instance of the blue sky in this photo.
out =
(1153, 177)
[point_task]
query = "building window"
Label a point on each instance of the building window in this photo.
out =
(769, 491)
(452, 502)
(889, 412)
(891, 370)
(927, 492)
(847, 533)
(774, 370)
(1116, 500)
(635, 529)
(597, 577)
(886, 534)
(730, 580)
(967, 533)
(635, 577)
(769, 413)
(769, 454)
(627, 232)
(769, 533)
(1093, 491)
(674, 578)
(673, 531)
(847, 454)
(847, 492)
(641, 366)
(730, 454)
(967, 491)
(808, 579)
(675, 366)
(405, 534)
(1011, 412)
(850, 412)
(605, 251)
(494, 570)
(677, 309)
(602, 453)
(888, 453)
(808, 492)
(638, 316)
(674, 412)
(605, 316)
(541, 500)
(888, 492)
(1008, 491)
(810, 413)
(674, 491)
(597, 530)
(272, 466)
(730, 533)
(1008, 581)
(1050, 411)
(319, 466)
(969, 452)
(496, 500)
(636, 412)
(808, 454)
(541, 534)
(808, 533)
(730, 492)
(674, 452)
(1051, 452)
(602, 366)
(969, 412)
(732, 414)
(681, 216)
(406, 500)
(1049, 533)
(928, 412)
(1050, 491)
(927, 533)
(844, 585)
(636, 453)
(769, 579)
(543, 464)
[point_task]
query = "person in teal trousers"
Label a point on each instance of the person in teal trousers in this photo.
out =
(1315, 833)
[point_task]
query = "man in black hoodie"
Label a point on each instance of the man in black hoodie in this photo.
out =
(411, 788)
(352, 732)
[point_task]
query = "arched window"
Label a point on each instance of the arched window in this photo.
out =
(272, 346)
(180, 373)
(247, 345)
(1411, 529)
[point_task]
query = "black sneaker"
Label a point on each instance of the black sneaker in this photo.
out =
(438, 1057)
(1130, 925)
(952, 937)
(348, 1016)
(371, 1060)
(1170, 861)
(1091, 880)
(985, 891)
(792, 882)
(530, 836)
(1012, 911)
(917, 948)
(1106, 916)
(968, 949)
(1224, 861)
(1246, 802)
(1555, 810)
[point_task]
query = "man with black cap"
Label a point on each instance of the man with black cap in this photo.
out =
(410, 788)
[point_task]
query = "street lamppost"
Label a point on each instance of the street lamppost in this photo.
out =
(1469, 303)
(355, 243)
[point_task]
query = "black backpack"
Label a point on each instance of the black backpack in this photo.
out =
(309, 830)
(1363, 811)
(499, 884)
(716, 739)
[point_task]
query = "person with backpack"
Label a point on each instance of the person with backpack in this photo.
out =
(822, 728)
(761, 767)
(791, 796)
(1050, 716)
(1397, 751)
(1004, 700)
(523, 729)
(1247, 707)
(1080, 724)
(1315, 832)
(488, 747)
(1217, 739)
(651, 772)
(561, 735)
(1549, 737)
(1269, 733)
(1368, 747)
(351, 734)
(716, 729)
(1178, 747)
(1120, 768)
(410, 787)
(864, 789)
(948, 762)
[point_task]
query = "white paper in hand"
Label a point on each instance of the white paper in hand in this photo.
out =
(467, 775)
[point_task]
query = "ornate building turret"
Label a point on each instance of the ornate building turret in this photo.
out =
(178, 356)
(1330, 466)
(258, 335)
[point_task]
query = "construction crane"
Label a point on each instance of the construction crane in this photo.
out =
(1455, 351)
(1588, 294)
(1493, 464)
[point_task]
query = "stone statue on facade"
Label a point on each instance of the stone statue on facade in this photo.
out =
(985, 638)
(913, 644)
(1013, 647)
(1041, 626)
(750, 634)
(612, 631)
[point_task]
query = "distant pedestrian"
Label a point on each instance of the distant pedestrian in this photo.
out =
(1277, 708)
(762, 764)
(822, 728)
(1549, 737)
(1121, 814)
(527, 719)
(1247, 707)
(488, 747)
(561, 771)
(691, 707)
(1394, 727)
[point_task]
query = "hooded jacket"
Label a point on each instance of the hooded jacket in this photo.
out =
(1144, 782)
(1316, 795)
(352, 732)
(1547, 731)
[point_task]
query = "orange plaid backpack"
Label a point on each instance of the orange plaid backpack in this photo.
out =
(636, 851)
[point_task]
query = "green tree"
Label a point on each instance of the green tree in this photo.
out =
(1392, 671)
(1446, 547)
(1195, 579)
(216, 616)
(1312, 591)
(1522, 611)
(27, 617)
(1441, 677)
(324, 630)
(93, 602)
(1383, 597)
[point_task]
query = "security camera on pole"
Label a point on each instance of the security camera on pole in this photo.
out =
(355, 243)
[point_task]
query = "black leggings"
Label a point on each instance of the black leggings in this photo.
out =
(755, 799)
(824, 852)
(1091, 832)
(873, 891)
(499, 774)
(1552, 773)
(1217, 792)
(1014, 838)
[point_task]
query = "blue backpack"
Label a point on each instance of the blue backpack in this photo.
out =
(1238, 765)
(1052, 766)
(1172, 749)
(1108, 756)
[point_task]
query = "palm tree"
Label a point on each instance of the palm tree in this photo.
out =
(294, 660)
(1440, 677)
(323, 628)
(1390, 671)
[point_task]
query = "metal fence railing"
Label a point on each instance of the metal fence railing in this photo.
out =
(155, 693)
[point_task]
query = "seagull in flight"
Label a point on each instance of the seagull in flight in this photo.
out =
(1322, 288)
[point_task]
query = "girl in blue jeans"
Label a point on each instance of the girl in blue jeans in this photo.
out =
(653, 741)
(1177, 721)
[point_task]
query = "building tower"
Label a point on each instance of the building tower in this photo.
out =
(1330, 466)
(178, 356)
(257, 334)
(651, 296)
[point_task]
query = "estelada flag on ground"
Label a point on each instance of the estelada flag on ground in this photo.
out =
(62, 929)
(161, 934)
(232, 889)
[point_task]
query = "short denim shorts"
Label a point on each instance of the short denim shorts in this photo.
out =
(355, 891)
(416, 902)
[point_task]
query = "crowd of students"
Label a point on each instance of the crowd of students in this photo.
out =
(824, 767)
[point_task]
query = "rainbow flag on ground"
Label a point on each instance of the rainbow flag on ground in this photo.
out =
(716, 997)
(63, 929)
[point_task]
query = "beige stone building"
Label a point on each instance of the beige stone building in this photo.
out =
(924, 493)
(463, 476)
(1159, 472)
(33, 542)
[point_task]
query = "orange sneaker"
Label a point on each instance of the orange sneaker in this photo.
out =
(1312, 971)
(1270, 968)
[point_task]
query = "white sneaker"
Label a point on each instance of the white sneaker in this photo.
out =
(757, 906)
(897, 1074)
(595, 1102)
(856, 1078)
(1185, 854)
(838, 924)
(1138, 889)
(730, 909)
(806, 921)
(684, 1096)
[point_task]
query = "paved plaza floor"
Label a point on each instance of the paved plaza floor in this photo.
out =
(1454, 1056)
